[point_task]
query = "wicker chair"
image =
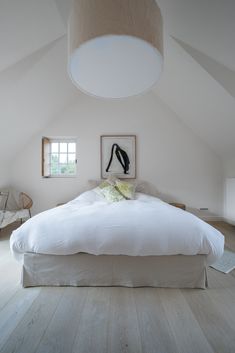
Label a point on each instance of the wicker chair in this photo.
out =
(9, 216)
(26, 202)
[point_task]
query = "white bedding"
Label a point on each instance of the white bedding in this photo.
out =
(141, 227)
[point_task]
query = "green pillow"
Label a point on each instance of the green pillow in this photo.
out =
(111, 194)
(104, 184)
(114, 189)
(126, 189)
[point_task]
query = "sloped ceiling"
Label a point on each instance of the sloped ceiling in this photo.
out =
(197, 83)
(34, 85)
(26, 26)
(222, 74)
(207, 25)
(63, 7)
(198, 99)
(32, 93)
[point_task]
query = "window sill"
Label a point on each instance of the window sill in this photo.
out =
(59, 177)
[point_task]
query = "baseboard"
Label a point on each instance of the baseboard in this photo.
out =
(205, 216)
(230, 221)
(212, 218)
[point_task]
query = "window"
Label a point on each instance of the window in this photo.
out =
(59, 157)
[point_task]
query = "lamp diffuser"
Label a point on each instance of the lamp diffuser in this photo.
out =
(115, 46)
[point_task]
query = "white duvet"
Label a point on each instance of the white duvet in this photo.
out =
(141, 227)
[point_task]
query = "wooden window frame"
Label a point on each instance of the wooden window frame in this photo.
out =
(46, 156)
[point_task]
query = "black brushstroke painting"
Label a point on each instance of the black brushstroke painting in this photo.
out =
(122, 157)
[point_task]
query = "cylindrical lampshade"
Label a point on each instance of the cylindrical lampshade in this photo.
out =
(115, 46)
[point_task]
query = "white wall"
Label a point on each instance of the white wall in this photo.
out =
(4, 176)
(229, 168)
(169, 155)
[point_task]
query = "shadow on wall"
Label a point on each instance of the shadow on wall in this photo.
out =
(146, 188)
(150, 189)
(142, 186)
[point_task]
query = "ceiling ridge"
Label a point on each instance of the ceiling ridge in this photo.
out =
(219, 72)
(35, 56)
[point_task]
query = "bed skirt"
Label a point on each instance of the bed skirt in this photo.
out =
(178, 271)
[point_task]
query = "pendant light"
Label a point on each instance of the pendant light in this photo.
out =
(115, 46)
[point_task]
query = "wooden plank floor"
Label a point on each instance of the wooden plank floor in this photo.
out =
(114, 320)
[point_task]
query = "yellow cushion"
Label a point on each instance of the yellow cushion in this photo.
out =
(126, 189)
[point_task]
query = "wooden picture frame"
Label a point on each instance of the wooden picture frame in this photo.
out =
(118, 156)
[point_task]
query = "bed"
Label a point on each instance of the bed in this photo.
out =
(134, 243)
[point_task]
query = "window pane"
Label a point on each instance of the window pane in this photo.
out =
(71, 147)
(71, 169)
(54, 158)
(54, 163)
(63, 158)
(54, 169)
(71, 157)
(67, 169)
(63, 147)
(63, 168)
(54, 147)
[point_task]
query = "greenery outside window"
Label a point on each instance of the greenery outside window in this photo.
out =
(59, 157)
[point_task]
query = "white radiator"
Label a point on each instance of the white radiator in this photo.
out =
(229, 204)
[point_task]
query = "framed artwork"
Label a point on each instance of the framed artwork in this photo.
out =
(118, 156)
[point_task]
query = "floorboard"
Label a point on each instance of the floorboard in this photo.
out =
(92, 329)
(216, 325)
(123, 332)
(155, 331)
(26, 336)
(116, 320)
(185, 327)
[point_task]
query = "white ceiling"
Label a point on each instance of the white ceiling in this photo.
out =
(63, 7)
(198, 99)
(207, 25)
(221, 73)
(26, 26)
(39, 92)
(34, 85)
(198, 82)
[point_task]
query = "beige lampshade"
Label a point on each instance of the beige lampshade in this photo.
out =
(115, 46)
